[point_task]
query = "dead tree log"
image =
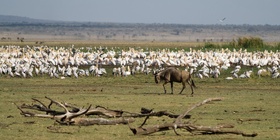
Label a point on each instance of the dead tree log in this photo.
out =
(98, 110)
(150, 112)
(194, 129)
(101, 121)
(67, 117)
(217, 130)
(72, 115)
(177, 124)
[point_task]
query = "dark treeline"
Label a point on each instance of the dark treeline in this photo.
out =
(194, 27)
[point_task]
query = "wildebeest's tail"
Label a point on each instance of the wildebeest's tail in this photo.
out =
(192, 82)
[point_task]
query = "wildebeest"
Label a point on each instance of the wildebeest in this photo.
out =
(171, 74)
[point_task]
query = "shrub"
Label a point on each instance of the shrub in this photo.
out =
(210, 46)
(277, 47)
(250, 42)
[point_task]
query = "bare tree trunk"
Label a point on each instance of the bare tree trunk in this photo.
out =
(101, 121)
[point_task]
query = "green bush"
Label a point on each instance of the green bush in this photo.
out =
(210, 46)
(241, 42)
(250, 42)
(277, 47)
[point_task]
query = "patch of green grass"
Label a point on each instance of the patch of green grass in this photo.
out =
(256, 98)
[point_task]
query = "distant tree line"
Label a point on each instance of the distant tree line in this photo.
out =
(194, 27)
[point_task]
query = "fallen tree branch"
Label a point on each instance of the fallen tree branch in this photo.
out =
(217, 130)
(41, 108)
(191, 128)
(177, 124)
(99, 110)
(74, 117)
(67, 117)
(150, 112)
(152, 129)
(179, 118)
(99, 121)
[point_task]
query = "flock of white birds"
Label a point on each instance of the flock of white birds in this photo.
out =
(61, 62)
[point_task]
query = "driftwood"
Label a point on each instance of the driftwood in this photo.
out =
(73, 117)
(178, 124)
(102, 111)
(98, 110)
(150, 112)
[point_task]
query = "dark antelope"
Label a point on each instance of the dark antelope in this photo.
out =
(170, 75)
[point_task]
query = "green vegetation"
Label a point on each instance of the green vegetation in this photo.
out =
(249, 43)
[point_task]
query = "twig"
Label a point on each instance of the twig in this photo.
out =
(179, 118)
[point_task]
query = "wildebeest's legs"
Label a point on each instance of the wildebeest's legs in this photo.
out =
(171, 83)
(191, 85)
(184, 86)
(192, 90)
(164, 86)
